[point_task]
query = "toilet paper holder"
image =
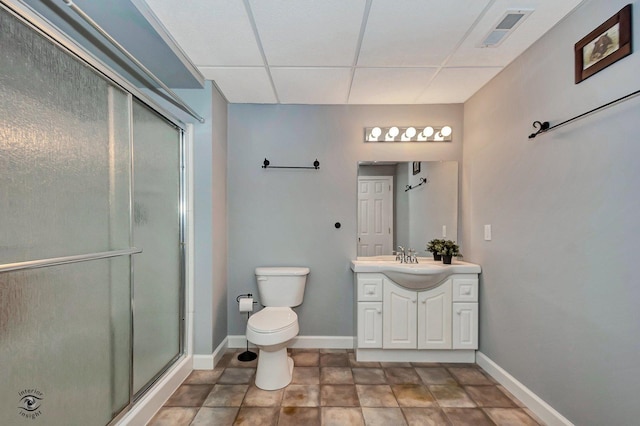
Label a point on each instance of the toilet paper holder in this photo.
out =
(243, 296)
(247, 355)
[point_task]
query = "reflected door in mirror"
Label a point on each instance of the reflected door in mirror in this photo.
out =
(375, 215)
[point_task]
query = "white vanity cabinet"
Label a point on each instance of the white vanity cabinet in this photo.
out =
(434, 317)
(399, 325)
(416, 319)
(465, 313)
(369, 307)
(395, 323)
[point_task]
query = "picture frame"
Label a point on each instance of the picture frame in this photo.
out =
(605, 45)
(416, 167)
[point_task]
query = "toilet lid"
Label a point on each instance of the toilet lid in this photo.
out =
(272, 319)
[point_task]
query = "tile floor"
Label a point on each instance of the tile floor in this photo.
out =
(330, 387)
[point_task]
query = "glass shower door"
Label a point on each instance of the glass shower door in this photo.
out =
(156, 230)
(65, 326)
(87, 173)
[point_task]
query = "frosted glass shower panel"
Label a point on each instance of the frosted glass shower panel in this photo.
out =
(59, 343)
(157, 289)
(64, 148)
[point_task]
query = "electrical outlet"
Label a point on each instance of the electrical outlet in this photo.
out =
(444, 231)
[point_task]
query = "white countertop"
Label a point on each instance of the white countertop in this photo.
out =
(425, 266)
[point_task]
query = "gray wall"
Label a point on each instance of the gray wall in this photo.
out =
(559, 290)
(286, 217)
(219, 219)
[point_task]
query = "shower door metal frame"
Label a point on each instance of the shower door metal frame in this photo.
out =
(43, 27)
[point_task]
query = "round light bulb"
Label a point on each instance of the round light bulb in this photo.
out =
(428, 131)
(446, 131)
(394, 131)
(376, 132)
(410, 132)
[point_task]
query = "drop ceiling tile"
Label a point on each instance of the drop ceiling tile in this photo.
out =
(211, 32)
(242, 85)
(312, 85)
(309, 32)
(389, 85)
(416, 32)
(545, 15)
(456, 85)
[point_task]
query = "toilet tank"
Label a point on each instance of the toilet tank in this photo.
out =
(281, 286)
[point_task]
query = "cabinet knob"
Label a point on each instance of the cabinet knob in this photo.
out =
(424, 302)
(379, 311)
(414, 301)
(459, 312)
(370, 292)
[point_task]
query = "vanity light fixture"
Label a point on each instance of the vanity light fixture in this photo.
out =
(408, 134)
(426, 133)
(391, 134)
(375, 134)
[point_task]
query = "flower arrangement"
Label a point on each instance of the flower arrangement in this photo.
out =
(434, 247)
(450, 248)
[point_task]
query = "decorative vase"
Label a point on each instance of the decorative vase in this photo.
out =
(436, 256)
(446, 259)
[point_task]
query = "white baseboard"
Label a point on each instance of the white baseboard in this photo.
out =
(533, 402)
(208, 362)
(154, 399)
(302, 342)
(203, 362)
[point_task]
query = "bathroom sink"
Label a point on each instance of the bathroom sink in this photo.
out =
(416, 281)
(424, 275)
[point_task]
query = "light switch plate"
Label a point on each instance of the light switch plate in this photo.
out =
(487, 232)
(444, 231)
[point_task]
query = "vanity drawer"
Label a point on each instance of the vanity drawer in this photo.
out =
(370, 287)
(465, 290)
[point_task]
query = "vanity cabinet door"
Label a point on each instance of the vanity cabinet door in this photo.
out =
(399, 317)
(465, 326)
(370, 324)
(434, 318)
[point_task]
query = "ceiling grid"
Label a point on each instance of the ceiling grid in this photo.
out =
(351, 52)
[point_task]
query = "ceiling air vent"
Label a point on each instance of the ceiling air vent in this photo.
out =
(504, 27)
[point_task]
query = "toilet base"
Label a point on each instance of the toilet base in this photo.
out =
(275, 369)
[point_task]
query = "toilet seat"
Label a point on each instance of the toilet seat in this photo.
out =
(272, 326)
(272, 320)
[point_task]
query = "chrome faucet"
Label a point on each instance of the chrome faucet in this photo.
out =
(406, 256)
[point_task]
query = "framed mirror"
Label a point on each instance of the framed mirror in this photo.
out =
(406, 204)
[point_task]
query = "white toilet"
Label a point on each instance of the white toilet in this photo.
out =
(272, 328)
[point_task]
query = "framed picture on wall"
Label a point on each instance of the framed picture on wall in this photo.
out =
(416, 167)
(603, 46)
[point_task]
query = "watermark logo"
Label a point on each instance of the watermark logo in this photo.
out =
(30, 403)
